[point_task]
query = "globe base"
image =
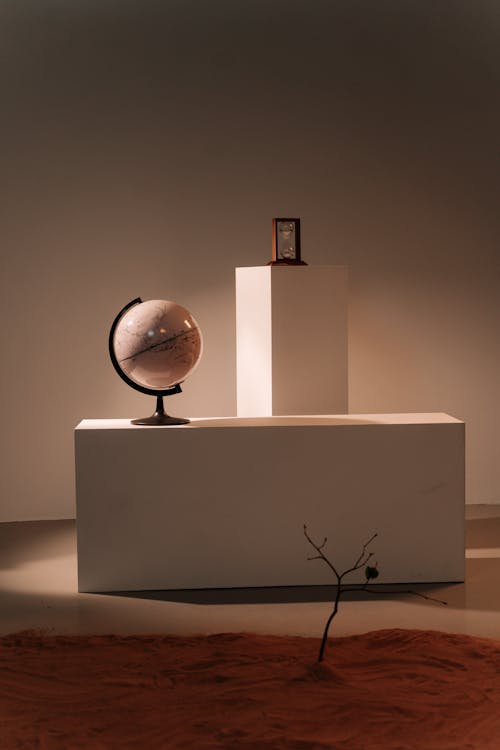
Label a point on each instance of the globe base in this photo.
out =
(158, 420)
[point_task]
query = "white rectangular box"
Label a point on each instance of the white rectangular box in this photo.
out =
(291, 340)
(222, 502)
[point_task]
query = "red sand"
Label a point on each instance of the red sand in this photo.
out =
(390, 690)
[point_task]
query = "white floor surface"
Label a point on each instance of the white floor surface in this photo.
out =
(38, 590)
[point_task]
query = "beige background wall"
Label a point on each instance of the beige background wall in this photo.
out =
(147, 144)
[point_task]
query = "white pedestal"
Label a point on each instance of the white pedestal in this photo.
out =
(291, 340)
(222, 502)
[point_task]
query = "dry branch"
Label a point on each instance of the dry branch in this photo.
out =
(371, 572)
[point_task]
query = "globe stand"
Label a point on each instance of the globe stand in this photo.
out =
(159, 418)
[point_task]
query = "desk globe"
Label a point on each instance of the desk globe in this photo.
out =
(154, 346)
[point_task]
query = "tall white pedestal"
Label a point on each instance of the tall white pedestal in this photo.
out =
(222, 502)
(291, 340)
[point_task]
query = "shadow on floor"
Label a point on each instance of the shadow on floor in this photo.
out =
(24, 542)
(283, 594)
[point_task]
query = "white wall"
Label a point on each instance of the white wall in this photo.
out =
(147, 145)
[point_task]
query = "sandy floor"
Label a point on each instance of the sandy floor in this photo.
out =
(390, 690)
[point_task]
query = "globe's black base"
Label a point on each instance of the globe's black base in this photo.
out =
(157, 420)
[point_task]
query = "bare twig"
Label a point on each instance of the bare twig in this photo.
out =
(371, 572)
(363, 552)
(318, 548)
(364, 587)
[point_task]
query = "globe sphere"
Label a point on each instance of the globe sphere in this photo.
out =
(157, 344)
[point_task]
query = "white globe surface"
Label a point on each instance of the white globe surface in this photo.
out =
(157, 344)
